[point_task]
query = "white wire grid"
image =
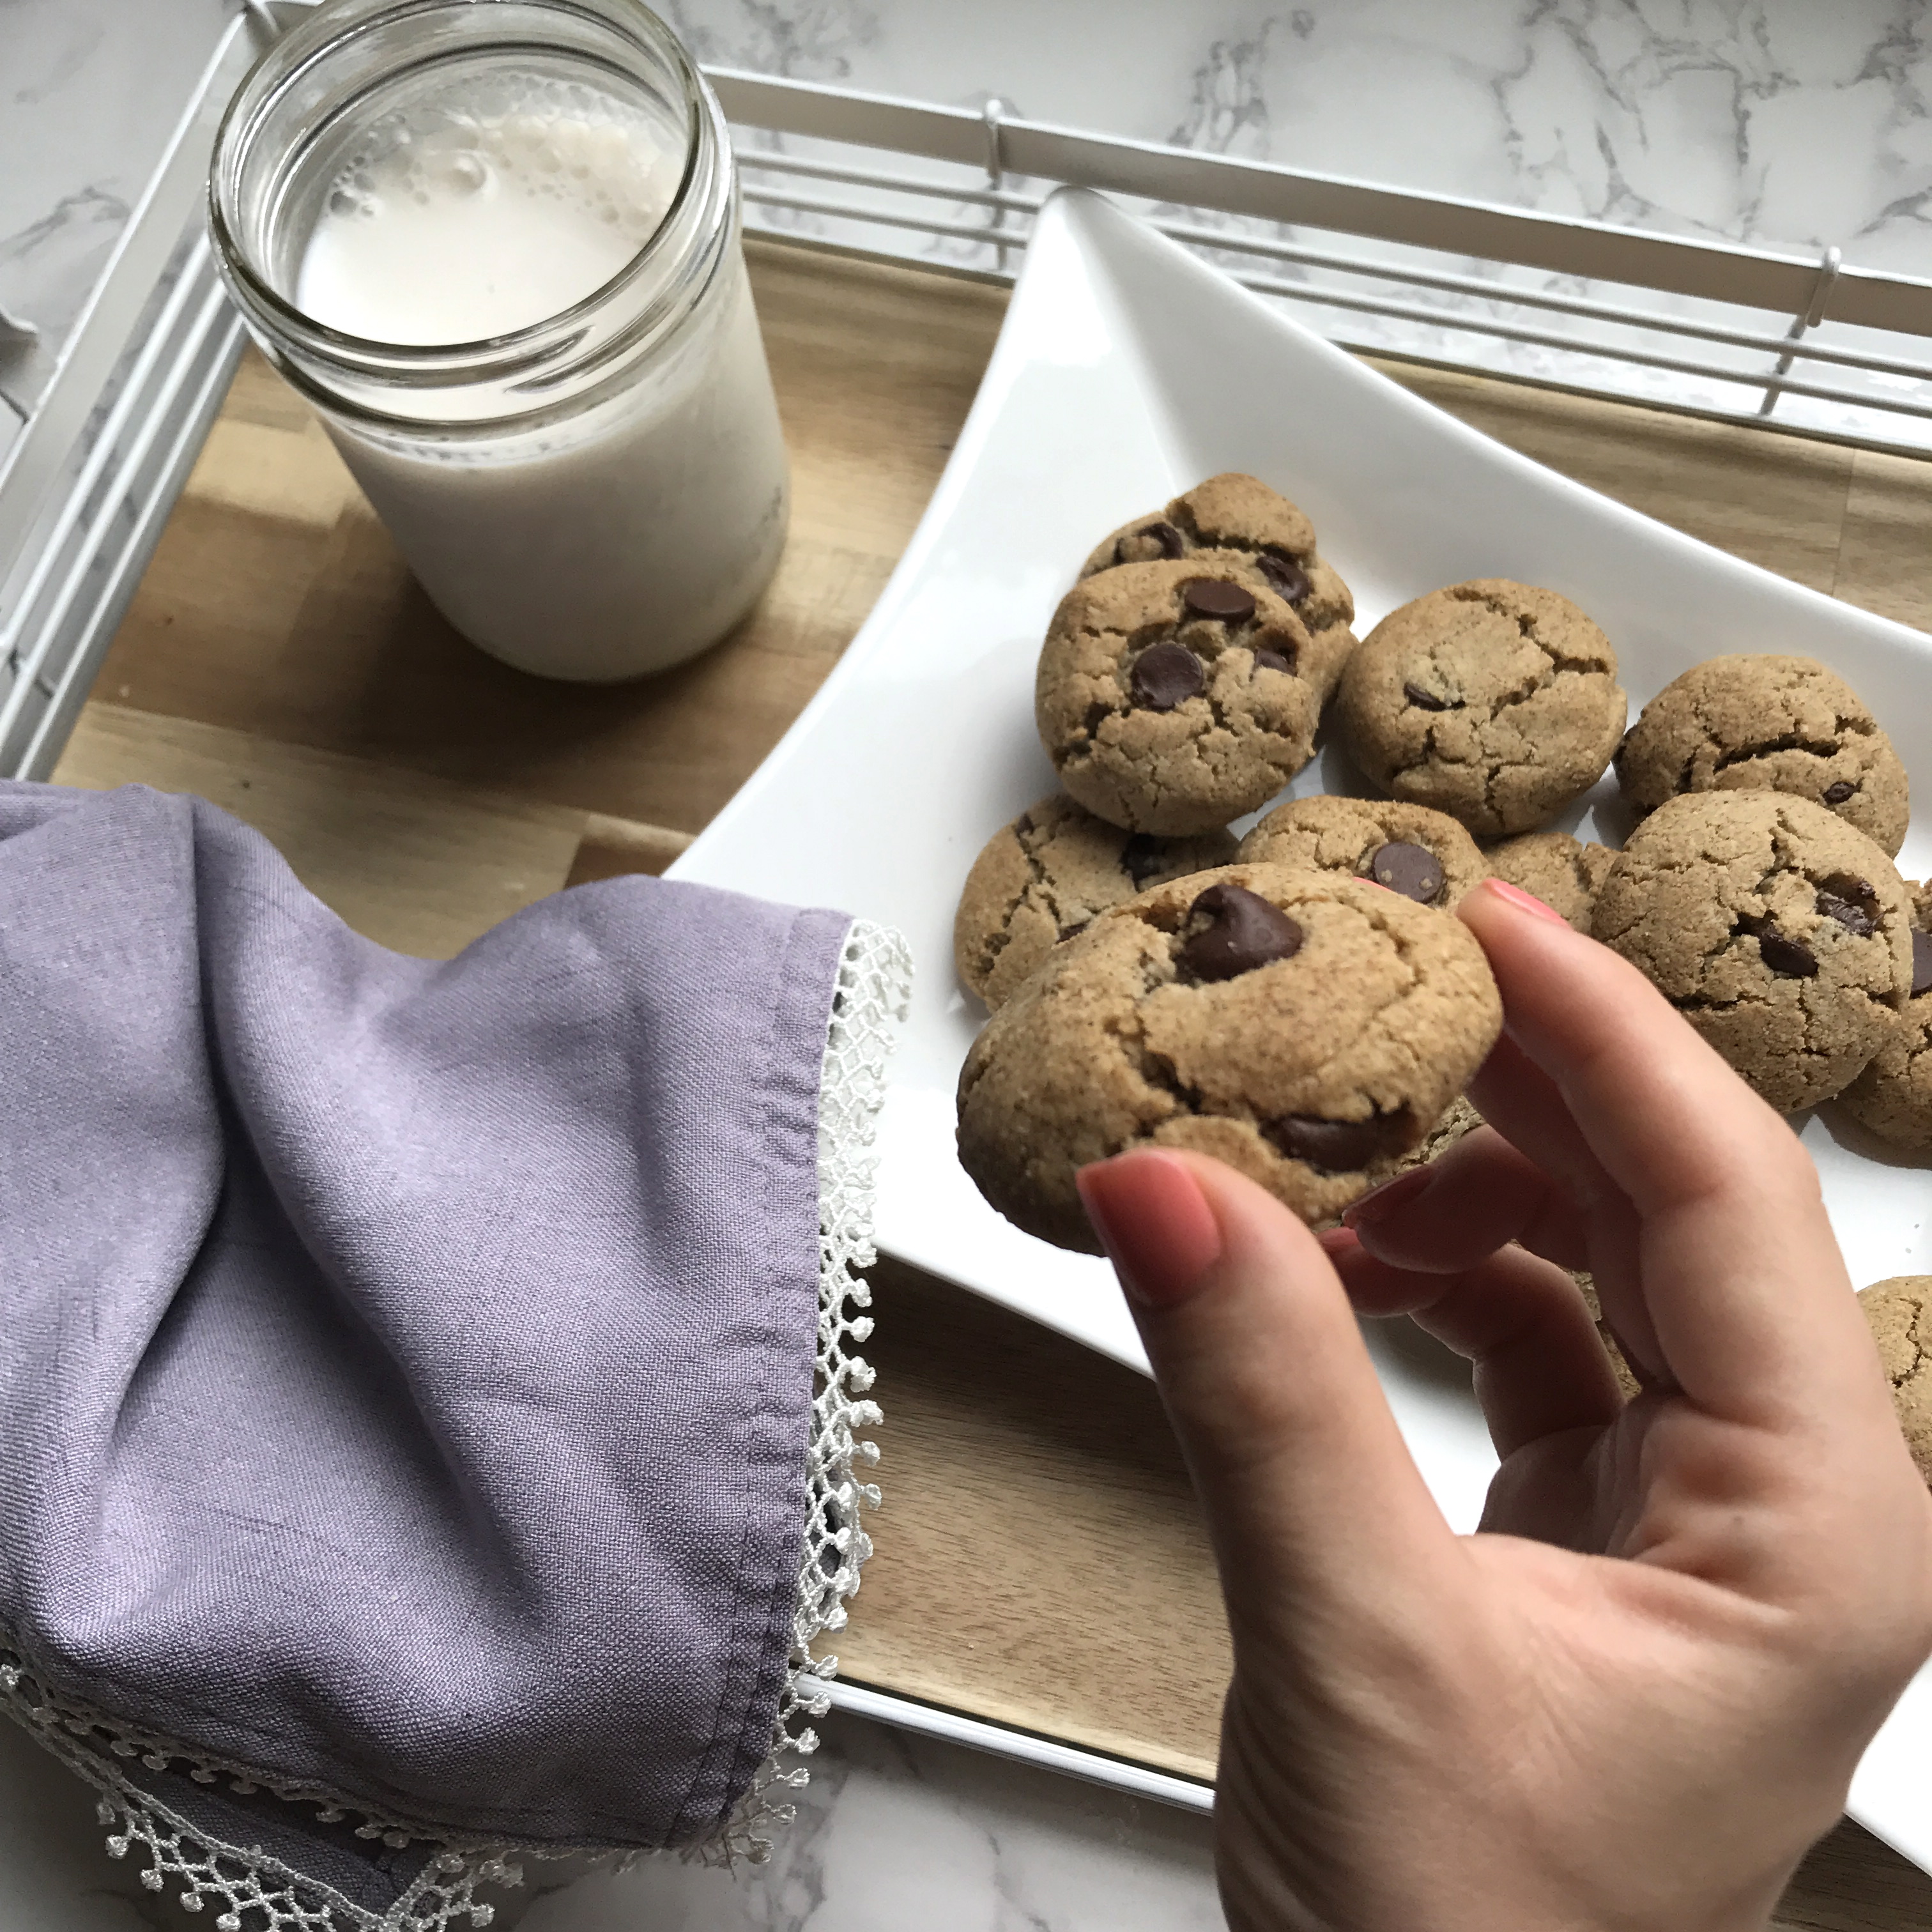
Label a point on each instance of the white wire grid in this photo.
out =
(1809, 343)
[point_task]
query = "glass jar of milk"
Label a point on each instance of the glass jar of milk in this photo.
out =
(496, 244)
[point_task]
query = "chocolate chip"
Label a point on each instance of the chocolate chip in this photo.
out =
(1172, 542)
(1836, 794)
(1852, 917)
(1921, 965)
(1332, 1147)
(1165, 676)
(1424, 701)
(1787, 957)
(1270, 660)
(1413, 870)
(1141, 856)
(1243, 932)
(1215, 597)
(1289, 579)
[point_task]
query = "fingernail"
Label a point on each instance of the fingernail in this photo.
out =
(1384, 1200)
(1154, 1222)
(1337, 1242)
(1523, 902)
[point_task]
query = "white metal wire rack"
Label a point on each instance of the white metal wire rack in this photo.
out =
(1812, 344)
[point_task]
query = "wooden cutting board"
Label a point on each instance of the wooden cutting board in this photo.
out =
(1039, 1558)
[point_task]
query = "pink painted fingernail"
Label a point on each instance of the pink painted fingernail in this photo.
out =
(1384, 1200)
(1155, 1223)
(1523, 902)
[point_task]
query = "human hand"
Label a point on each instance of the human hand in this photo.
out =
(1639, 1692)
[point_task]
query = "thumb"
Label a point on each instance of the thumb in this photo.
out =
(1312, 1497)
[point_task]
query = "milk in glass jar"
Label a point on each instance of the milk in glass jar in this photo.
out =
(495, 243)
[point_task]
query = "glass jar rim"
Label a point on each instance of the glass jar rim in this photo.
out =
(304, 47)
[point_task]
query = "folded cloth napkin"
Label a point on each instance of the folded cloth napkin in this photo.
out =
(426, 1405)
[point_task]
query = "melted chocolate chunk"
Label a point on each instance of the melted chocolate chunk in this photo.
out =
(1921, 964)
(1337, 1147)
(1290, 581)
(1215, 597)
(1165, 675)
(1266, 659)
(1837, 793)
(1852, 916)
(1788, 959)
(1424, 701)
(1243, 932)
(1411, 870)
(1142, 857)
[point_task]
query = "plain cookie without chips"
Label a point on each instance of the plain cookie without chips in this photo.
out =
(1496, 702)
(1234, 514)
(1169, 696)
(1781, 933)
(1747, 722)
(1043, 877)
(1306, 1027)
(1900, 1312)
(1424, 855)
(1565, 873)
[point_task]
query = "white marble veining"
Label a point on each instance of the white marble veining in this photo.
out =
(90, 92)
(894, 1831)
(1784, 124)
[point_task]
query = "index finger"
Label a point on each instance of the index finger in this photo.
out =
(1742, 1280)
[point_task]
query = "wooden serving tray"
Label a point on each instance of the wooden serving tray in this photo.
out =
(1040, 1561)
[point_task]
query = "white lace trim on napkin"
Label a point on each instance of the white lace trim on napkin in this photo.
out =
(250, 1891)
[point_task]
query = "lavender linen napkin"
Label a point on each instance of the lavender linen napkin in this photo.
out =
(407, 1370)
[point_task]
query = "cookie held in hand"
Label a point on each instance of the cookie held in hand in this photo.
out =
(1424, 855)
(1780, 933)
(1308, 1028)
(1496, 702)
(1044, 877)
(1748, 722)
(1171, 697)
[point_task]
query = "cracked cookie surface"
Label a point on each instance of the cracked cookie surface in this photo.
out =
(1893, 1096)
(1310, 1042)
(1900, 1312)
(1424, 855)
(1045, 876)
(1781, 933)
(1170, 696)
(1566, 873)
(1234, 517)
(1496, 702)
(1749, 722)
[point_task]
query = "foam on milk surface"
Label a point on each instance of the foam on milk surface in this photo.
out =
(472, 215)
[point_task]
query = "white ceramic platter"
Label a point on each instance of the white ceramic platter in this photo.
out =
(1127, 371)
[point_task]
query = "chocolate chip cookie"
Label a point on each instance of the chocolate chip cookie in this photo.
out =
(1900, 1311)
(1496, 702)
(1233, 515)
(1306, 1027)
(1170, 696)
(1422, 854)
(1753, 723)
(1893, 1096)
(1563, 872)
(1043, 878)
(1781, 933)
